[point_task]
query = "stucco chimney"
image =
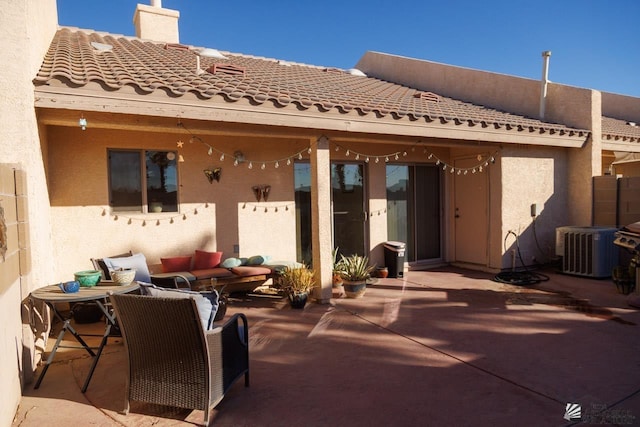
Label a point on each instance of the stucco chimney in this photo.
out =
(156, 23)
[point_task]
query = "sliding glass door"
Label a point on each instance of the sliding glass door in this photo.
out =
(414, 210)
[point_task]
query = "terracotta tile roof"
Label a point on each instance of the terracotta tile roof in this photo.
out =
(152, 67)
(620, 130)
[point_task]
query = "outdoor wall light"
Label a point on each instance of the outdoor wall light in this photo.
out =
(82, 122)
(212, 174)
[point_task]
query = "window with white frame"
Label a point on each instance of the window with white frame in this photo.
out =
(143, 181)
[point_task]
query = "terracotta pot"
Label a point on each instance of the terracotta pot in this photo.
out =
(382, 272)
(337, 280)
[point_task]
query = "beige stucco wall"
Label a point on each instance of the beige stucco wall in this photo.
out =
(26, 29)
(621, 107)
(533, 175)
(508, 93)
(228, 214)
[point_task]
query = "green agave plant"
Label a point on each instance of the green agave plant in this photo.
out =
(297, 279)
(337, 263)
(355, 268)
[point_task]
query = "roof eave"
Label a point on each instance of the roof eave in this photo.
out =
(48, 97)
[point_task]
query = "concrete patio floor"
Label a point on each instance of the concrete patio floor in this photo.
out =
(444, 347)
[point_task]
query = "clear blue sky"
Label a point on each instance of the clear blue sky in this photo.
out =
(594, 43)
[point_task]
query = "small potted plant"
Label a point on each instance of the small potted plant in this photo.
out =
(355, 272)
(297, 282)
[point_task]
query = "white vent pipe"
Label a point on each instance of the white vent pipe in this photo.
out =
(545, 80)
(156, 3)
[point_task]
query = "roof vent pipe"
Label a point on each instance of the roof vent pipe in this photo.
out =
(156, 3)
(545, 80)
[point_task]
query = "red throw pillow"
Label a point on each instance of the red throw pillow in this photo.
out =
(177, 263)
(204, 260)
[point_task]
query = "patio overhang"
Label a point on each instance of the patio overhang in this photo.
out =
(59, 106)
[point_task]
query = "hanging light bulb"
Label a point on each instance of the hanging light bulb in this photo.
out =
(210, 151)
(367, 160)
(357, 156)
(82, 122)
(430, 156)
(466, 172)
(444, 168)
(266, 210)
(235, 162)
(347, 153)
(386, 159)
(404, 154)
(129, 222)
(438, 162)
(309, 150)
(115, 218)
(244, 205)
(195, 211)
(377, 160)
(263, 166)
(452, 170)
(493, 159)
(277, 164)
(300, 155)
(337, 148)
(158, 222)
(288, 162)
(250, 165)
(184, 217)
(144, 223)
(286, 208)
(222, 157)
(171, 221)
(276, 209)
(397, 157)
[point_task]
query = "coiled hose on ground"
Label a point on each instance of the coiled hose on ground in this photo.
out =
(519, 278)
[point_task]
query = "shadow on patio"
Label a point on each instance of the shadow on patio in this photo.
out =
(445, 347)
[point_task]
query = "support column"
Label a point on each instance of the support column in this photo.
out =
(321, 218)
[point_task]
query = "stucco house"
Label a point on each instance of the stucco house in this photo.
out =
(115, 143)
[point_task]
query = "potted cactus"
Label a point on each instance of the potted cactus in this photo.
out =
(355, 270)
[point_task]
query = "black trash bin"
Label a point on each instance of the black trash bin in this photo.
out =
(394, 258)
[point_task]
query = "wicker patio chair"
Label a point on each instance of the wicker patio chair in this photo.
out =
(172, 361)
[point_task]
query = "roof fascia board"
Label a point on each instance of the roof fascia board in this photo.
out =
(621, 146)
(227, 112)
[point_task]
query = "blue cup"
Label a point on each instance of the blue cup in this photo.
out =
(70, 287)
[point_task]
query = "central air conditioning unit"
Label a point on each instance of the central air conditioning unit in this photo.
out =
(587, 251)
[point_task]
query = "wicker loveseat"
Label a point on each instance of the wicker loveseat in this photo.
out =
(172, 359)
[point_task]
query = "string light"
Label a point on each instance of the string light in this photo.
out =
(211, 149)
(483, 161)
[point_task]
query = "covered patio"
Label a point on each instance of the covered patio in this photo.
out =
(446, 346)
